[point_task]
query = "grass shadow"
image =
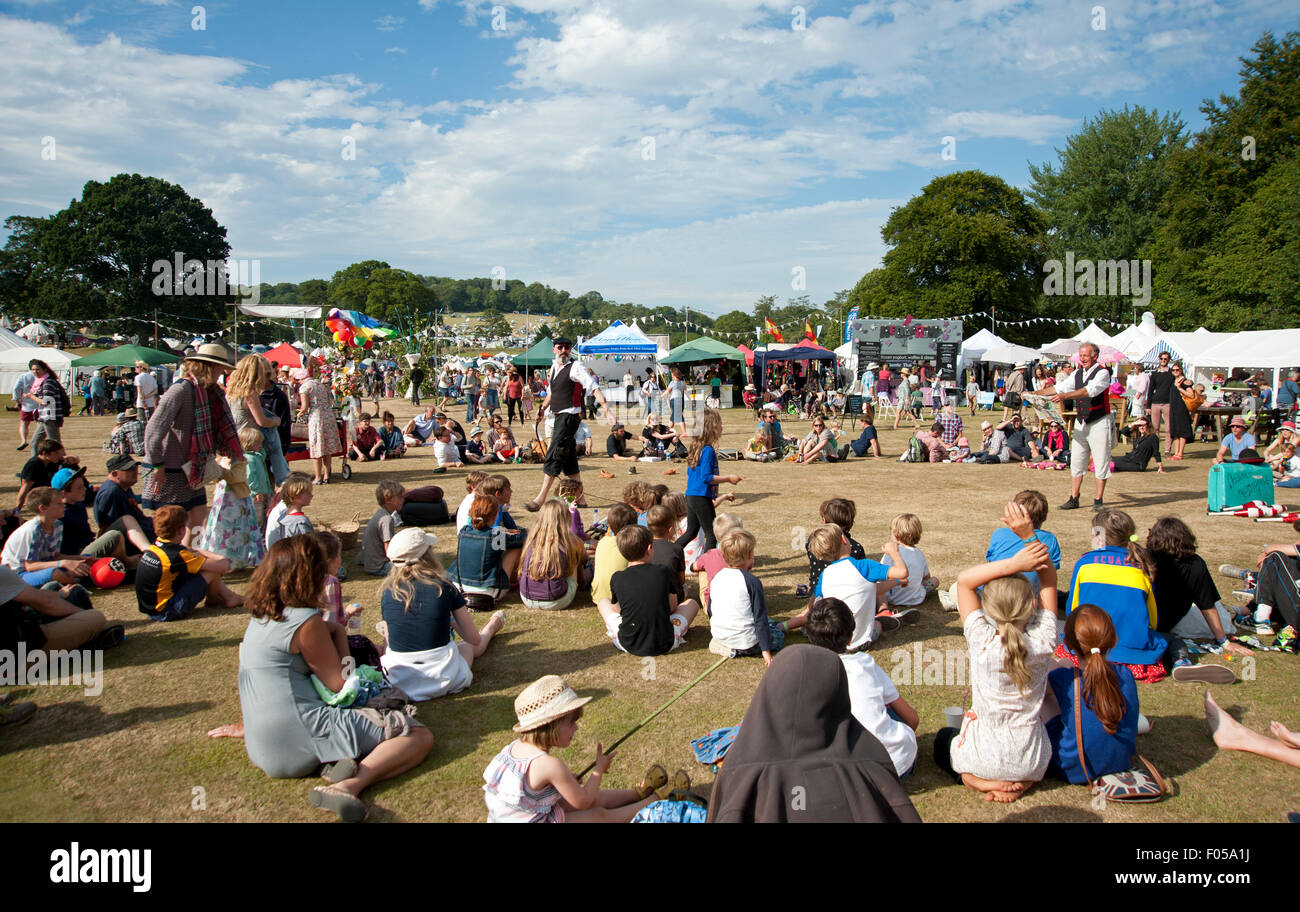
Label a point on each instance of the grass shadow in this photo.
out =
(68, 723)
(1181, 744)
(1052, 813)
(146, 650)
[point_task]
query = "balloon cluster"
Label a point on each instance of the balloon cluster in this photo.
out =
(346, 334)
(352, 328)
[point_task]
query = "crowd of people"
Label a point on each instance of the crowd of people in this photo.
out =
(318, 696)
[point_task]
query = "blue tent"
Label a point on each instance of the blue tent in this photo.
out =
(618, 339)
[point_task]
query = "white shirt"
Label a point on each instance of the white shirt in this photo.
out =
(578, 374)
(582, 434)
(917, 570)
(445, 453)
(22, 385)
(731, 618)
(847, 579)
(1099, 383)
(462, 512)
(146, 391)
(273, 521)
(19, 544)
(870, 693)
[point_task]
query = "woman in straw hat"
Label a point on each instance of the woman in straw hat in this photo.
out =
(525, 784)
(190, 428)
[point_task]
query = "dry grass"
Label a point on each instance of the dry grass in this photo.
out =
(137, 751)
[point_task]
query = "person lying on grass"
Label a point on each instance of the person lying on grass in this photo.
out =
(1002, 748)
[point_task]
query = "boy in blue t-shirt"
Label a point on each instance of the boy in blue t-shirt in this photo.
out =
(1006, 541)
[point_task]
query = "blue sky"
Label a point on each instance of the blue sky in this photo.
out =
(665, 152)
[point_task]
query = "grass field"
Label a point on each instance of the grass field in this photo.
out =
(137, 752)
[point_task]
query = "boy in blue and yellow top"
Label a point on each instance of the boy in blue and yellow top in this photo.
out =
(172, 580)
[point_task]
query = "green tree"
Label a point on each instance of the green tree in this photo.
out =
(1103, 199)
(967, 243)
(492, 324)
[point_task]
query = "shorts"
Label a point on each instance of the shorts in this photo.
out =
(680, 625)
(182, 604)
(24, 415)
(562, 457)
(563, 601)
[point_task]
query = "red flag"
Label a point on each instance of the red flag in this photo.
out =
(772, 330)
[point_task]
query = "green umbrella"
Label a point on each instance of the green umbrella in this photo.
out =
(126, 356)
(702, 349)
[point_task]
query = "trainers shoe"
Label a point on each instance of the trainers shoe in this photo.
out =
(1071, 504)
(1098, 506)
(1264, 628)
(906, 616)
(1234, 572)
(947, 601)
(1208, 673)
(1244, 623)
(888, 622)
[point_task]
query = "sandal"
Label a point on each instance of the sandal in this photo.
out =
(339, 770)
(656, 777)
(349, 808)
(680, 786)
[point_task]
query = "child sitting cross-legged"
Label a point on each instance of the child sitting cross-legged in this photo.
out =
(738, 607)
(525, 784)
(1002, 748)
(842, 512)
(667, 553)
(608, 559)
(873, 698)
(710, 562)
(643, 617)
(390, 435)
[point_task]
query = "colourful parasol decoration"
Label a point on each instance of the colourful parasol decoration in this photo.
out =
(353, 328)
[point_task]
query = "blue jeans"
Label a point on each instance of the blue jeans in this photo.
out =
(38, 578)
(1288, 483)
(275, 460)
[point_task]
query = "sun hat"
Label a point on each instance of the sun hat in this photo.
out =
(475, 431)
(985, 425)
(749, 387)
(409, 545)
(1288, 426)
(130, 413)
(1238, 421)
(546, 700)
(873, 366)
(214, 353)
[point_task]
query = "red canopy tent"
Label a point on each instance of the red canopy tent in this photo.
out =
(285, 355)
(747, 352)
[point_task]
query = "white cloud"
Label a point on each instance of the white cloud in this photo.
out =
(395, 50)
(1033, 128)
(389, 23)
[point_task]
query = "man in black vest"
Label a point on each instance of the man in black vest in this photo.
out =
(1087, 386)
(570, 380)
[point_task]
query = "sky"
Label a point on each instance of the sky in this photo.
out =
(692, 153)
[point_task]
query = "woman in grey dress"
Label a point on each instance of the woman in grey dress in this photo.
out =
(289, 731)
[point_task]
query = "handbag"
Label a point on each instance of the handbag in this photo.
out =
(1136, 786)
(474, 601)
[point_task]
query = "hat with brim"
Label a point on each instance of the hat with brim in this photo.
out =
(214, 353)
(873, 366)
(544, 701)
(749, 387)
(130, 413)
(120, 463)
(985, 425)
(1237, 422)
(1288, 426)
(475, 431)
(409, 545)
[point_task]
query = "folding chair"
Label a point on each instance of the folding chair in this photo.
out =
(985, 400)
(884, 406)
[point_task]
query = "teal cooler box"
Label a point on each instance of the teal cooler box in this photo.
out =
(1234, 483)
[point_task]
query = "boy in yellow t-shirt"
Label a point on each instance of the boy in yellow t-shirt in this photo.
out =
(608, 559)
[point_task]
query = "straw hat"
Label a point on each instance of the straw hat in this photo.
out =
(873, 366)
(409, 545)
(545, 700)
(215, 353)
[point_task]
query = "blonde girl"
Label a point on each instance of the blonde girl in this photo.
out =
(1002, 748)
(553, 560)
(702, 480)
(419, 607)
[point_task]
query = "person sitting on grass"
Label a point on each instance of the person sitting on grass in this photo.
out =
(420, 606)
(932, 443)
(525, 784)
(366, 444)
(616, 445)
(287, 518)
(737, 605)
(171, 580)
(1146, 446)
(127, 438)
(667, 553)
(643, 617)
(482, 565)
(874, 699)
(707, 565)
(49, 619)
(1237, 441)
(814, 447)
(1229, 734)
(552, 568)
(608, 559)
(1056, 446)
(475, 452)
(117, 509)
(288, 729)
(1183, 582)
(393, 440)
(1022, 520)
(842, 512)
(1108, 704)
(868, 439)
(760, 447)
(1002, 748)
(77, 535)
(906, 531)
(859, 582)
(39, 471)
(35, 549)
(382, 526)
(419, 430)
(445, 451)
(501, 445)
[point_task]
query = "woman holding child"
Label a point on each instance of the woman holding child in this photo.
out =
(243, 392)
(288, 729)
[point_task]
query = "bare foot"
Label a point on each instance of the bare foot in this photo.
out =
(1284, 734)
(1225, 730)
(981, 784)
(495, 623)
(1004, 796)
(228, 731)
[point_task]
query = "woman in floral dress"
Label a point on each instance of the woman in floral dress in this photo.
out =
(317, 403)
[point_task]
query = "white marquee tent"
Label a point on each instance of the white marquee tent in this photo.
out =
(973, 349)
(1270, 349)
(14, 360)
(1095, 334)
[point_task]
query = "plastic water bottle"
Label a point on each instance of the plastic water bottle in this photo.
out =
(354, 621)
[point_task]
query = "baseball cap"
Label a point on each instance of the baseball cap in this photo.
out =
(120, 463)
(63, 477)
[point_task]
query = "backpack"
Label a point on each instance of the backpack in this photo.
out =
(915, 451)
